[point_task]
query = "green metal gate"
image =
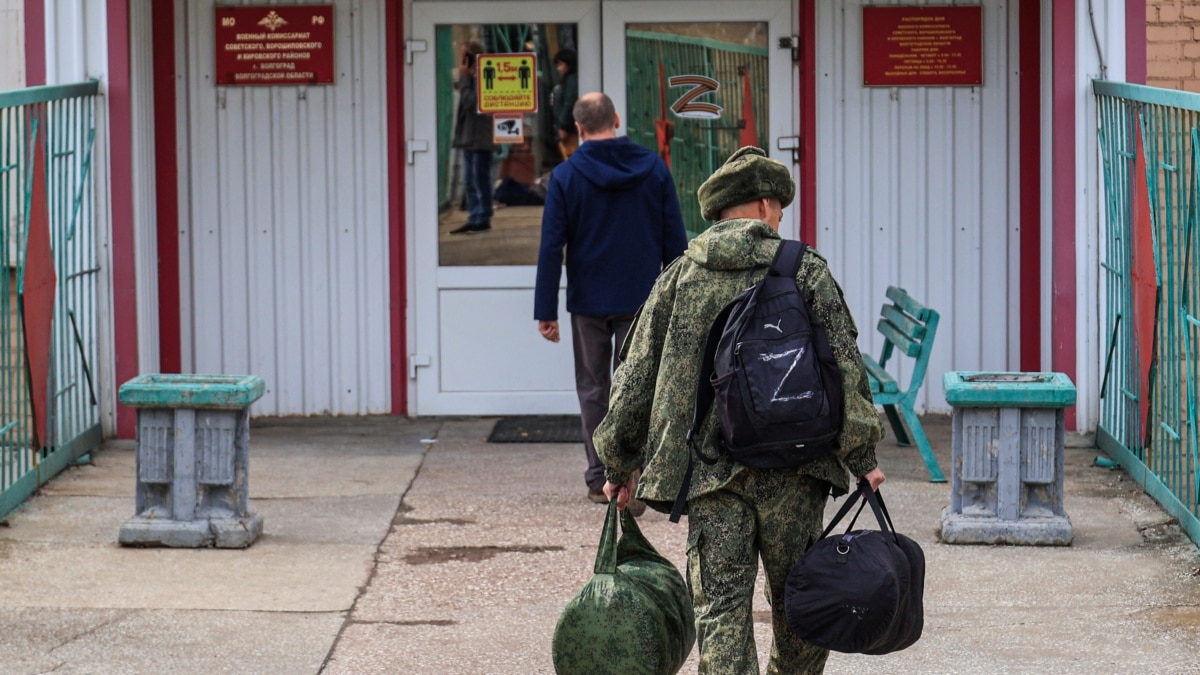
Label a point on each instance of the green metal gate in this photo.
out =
(1150, 146)
(48, 408)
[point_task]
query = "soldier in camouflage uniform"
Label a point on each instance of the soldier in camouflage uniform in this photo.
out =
(735, 514)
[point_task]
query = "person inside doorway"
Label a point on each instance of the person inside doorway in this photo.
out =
(613, 206)
(473, 136)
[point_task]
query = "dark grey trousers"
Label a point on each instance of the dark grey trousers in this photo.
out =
(596, 341)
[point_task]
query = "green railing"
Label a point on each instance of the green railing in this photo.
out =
(698, 146)
(48, 409)
(1150, 145)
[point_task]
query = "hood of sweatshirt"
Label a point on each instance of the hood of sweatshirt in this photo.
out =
(613, 164)
(734, 244)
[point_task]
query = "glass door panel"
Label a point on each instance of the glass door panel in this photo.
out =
(696, 92)
(516, 168)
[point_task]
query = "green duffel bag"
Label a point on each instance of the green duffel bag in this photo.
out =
(634, 616)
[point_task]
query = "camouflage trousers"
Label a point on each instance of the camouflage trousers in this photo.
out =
(772, 514)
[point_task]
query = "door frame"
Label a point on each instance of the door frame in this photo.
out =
(428, 279)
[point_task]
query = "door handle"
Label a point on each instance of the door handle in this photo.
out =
(791, 143)
(415, 146)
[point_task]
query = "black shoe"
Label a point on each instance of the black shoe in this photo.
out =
(471, 228)
(597, 497)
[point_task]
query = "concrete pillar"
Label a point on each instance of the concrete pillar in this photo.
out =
(193, 442)
(1007, 461)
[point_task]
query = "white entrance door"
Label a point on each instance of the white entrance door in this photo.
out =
(477, 350)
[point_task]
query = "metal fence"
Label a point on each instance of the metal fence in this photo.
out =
(48, 408)
(1150, 146)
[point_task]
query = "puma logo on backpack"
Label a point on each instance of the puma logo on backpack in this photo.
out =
(774, 380)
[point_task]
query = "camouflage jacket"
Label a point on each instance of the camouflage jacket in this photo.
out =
(653, 392)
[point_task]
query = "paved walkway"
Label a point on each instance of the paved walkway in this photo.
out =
(414, 546)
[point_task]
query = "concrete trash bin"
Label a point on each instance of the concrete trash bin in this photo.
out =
(193, 437)
(1007, 459)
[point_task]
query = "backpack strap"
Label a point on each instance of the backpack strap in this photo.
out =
(681, 498)
(785, 263)
(787, 258)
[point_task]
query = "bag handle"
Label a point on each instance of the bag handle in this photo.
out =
(606, 553)
(872, 497)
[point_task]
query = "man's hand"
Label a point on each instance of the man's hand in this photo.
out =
(875, 477)
(623, 493)
(549, 330)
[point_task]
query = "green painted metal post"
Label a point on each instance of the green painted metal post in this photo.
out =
(1164, 455)
(58, 121)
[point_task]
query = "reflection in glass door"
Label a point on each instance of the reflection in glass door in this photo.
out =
(696, 92)
(507, 170)
(695, 81)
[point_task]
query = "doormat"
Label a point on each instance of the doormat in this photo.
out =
(537, 429)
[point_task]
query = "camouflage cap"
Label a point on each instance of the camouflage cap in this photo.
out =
(747, 175)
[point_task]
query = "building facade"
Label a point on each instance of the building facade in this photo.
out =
(300, 230)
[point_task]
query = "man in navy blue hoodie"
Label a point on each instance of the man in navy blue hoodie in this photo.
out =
(613, 206)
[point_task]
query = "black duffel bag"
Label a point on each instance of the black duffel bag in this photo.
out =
(861, 591)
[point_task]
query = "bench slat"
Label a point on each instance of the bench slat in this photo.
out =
(908, 327)
(898, 338)
(881, 380)
(902, 321)
(904, 301)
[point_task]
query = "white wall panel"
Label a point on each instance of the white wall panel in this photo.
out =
(145, 216)
(12, 44)
(1100, 54)
(917, 188)
(284, 232)
(76, 40)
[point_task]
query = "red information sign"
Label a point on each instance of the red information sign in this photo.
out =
(276, 44)
(922, 46)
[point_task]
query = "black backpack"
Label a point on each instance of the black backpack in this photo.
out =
(768, 365)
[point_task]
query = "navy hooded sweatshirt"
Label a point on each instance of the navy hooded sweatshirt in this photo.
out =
(613, 206)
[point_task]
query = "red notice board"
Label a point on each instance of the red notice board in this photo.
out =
(922, 46)
(276, 44)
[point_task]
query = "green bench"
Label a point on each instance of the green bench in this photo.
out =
(908, 328)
